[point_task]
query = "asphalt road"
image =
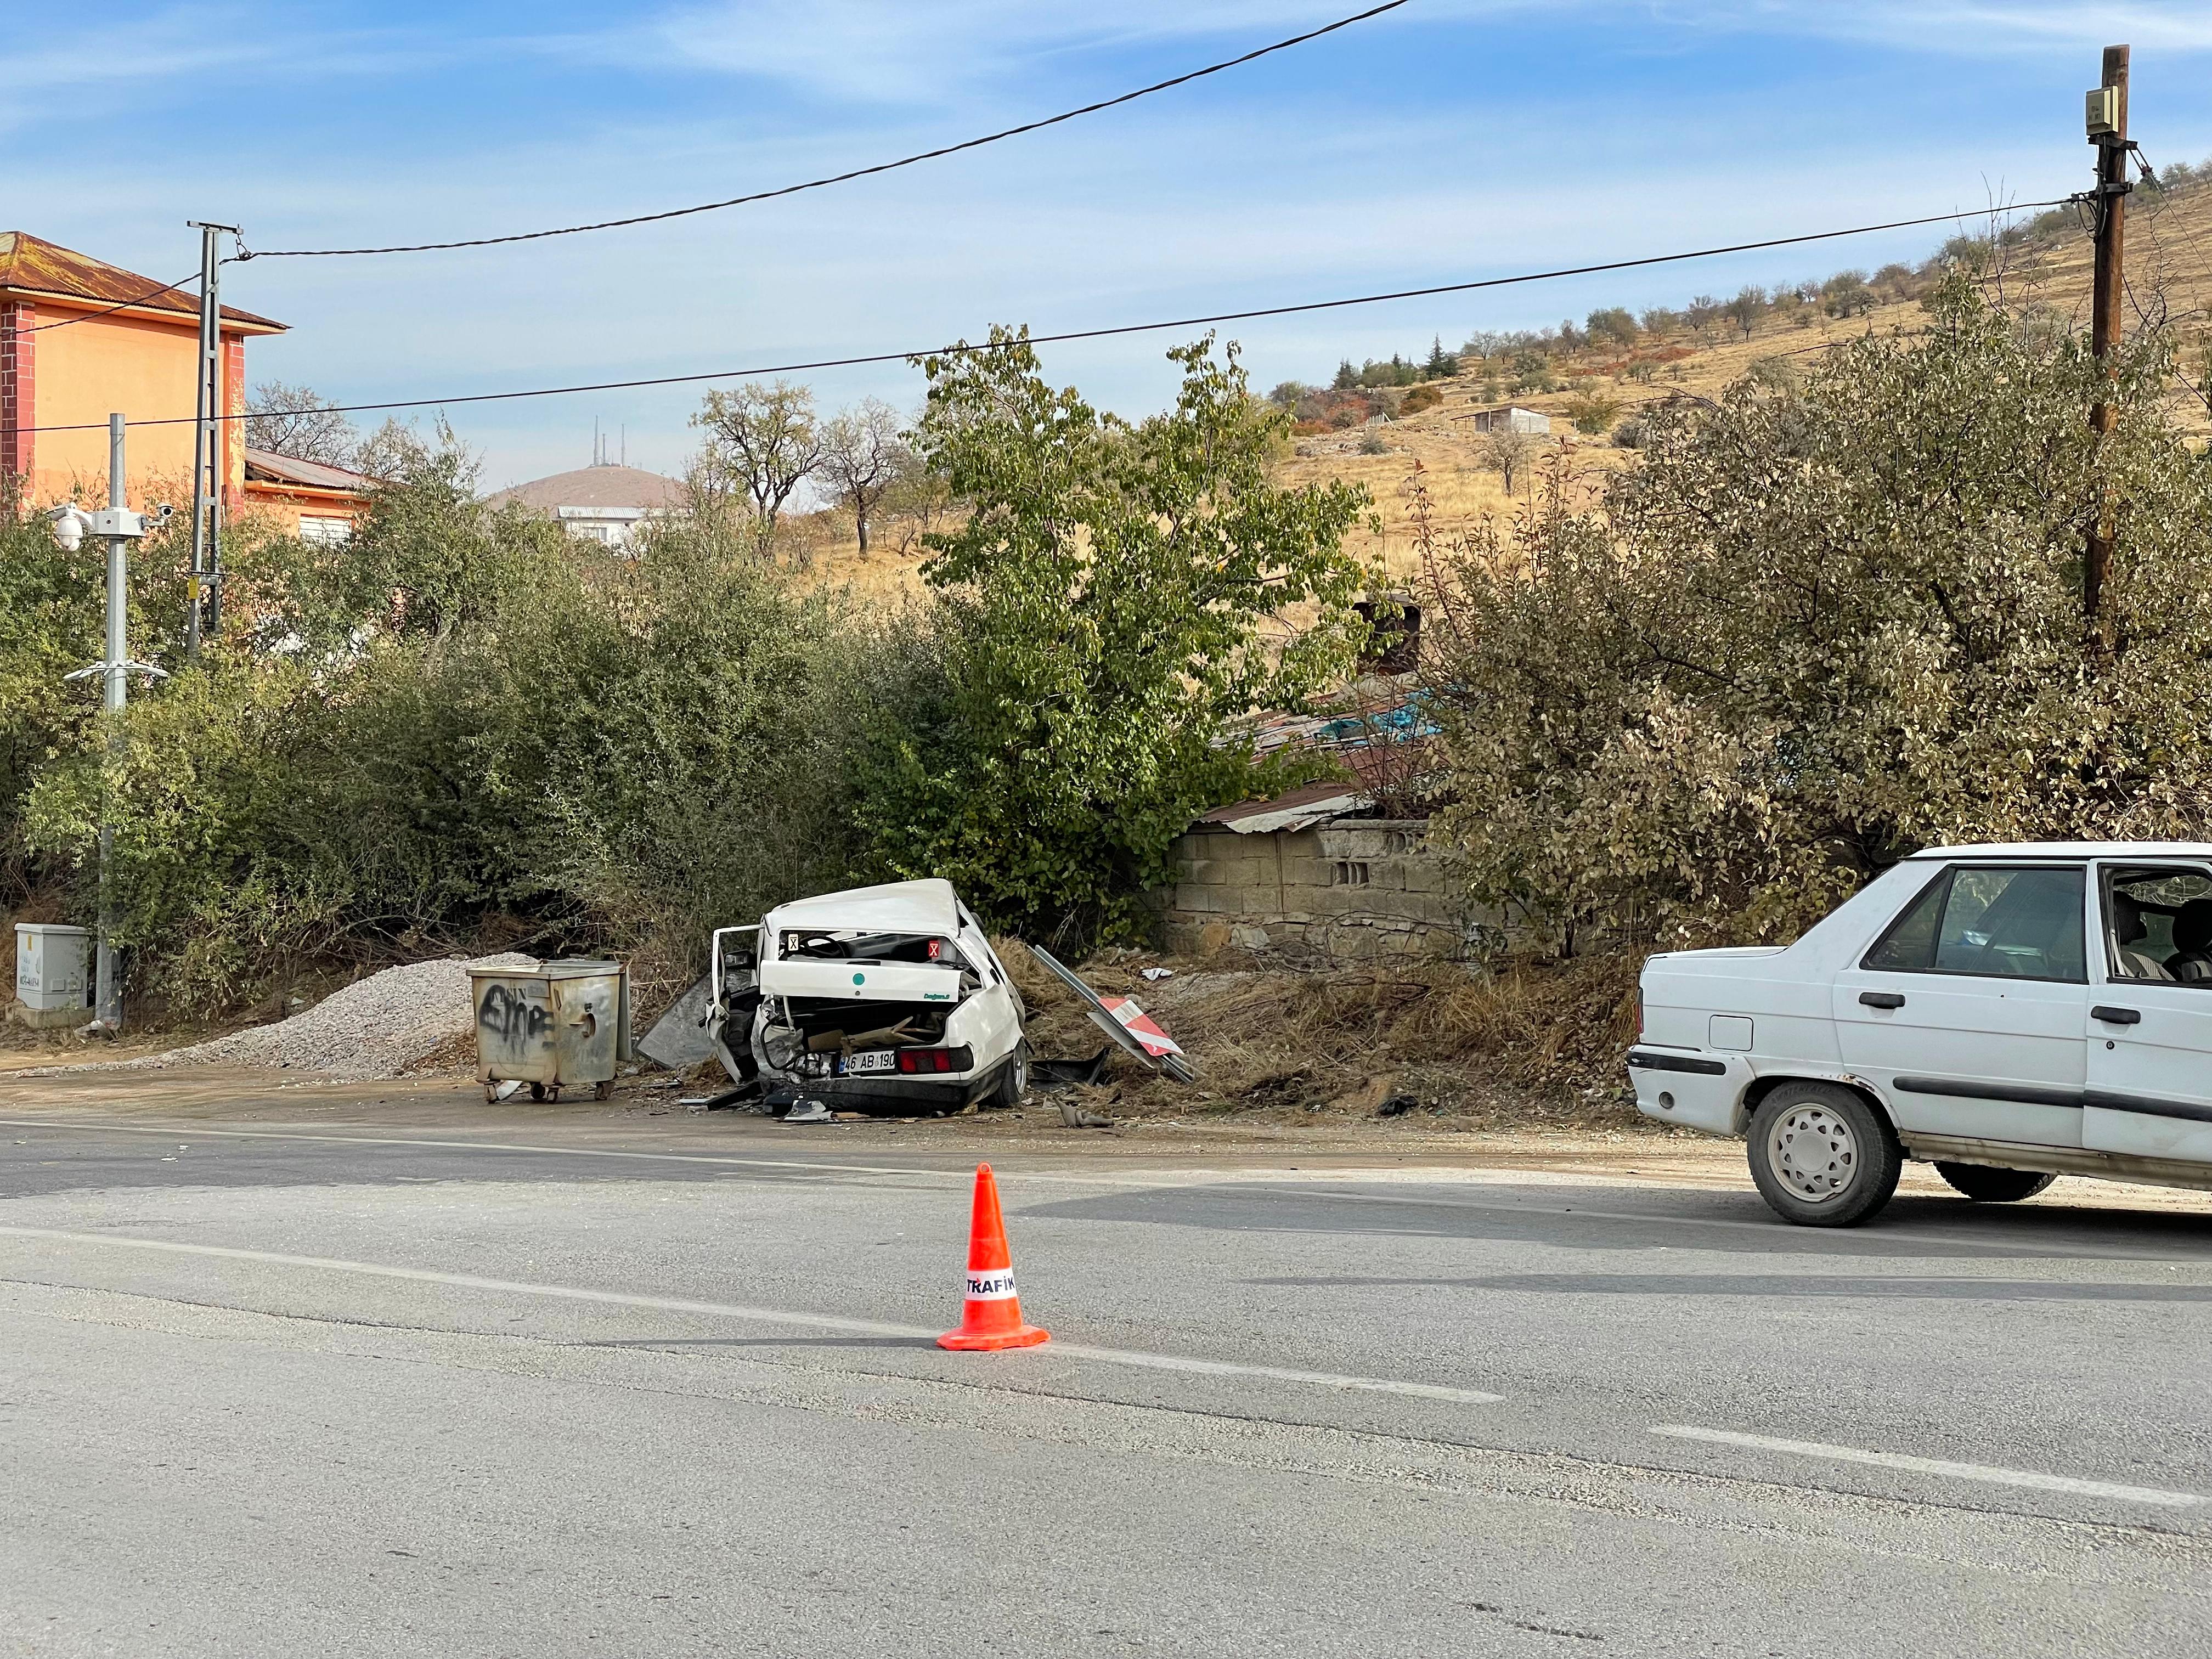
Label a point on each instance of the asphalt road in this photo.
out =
(341, 1391)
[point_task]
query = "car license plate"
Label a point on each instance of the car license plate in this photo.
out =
(880, 1061)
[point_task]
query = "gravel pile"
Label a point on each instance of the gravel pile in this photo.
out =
(375, 1028)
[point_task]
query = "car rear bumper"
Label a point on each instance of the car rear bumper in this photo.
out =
(1694, 1087)
(895, 1094)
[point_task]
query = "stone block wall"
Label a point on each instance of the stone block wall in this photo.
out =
(1351, 891)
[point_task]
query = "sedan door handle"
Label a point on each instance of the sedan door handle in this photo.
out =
(2116, 1016)
(1881, 999)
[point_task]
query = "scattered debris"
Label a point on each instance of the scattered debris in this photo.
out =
(1062, 1073)
(1157, 973)
(1076, 1118)
(808, 1111)
(680, 1038)
(1121, 1019)
(508, 1089)
(1396, 1106)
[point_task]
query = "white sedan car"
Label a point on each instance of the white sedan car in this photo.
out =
(885, 999)
(2011, 1013)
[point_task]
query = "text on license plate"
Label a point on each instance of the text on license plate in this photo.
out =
(881, 1061)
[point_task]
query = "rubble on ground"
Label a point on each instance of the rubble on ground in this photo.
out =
(377, 1027)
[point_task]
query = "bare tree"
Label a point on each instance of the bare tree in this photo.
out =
(1508, 452)
(765, 440)
(1746, 309)
(863, 455)
(300, 421)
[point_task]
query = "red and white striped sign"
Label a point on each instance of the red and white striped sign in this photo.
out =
(1141, 1026)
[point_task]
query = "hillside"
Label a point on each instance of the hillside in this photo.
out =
(2045, 265)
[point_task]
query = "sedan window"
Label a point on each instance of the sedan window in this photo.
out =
(2006, 923)
(2158, 924)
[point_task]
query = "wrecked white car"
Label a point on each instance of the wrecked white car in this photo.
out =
(880, 999)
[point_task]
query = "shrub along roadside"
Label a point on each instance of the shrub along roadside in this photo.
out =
(466, 729)
(477, 725)
(1822, 626)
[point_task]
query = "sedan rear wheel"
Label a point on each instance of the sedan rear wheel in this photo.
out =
(1822, 1155)
(1987, 1184)
(1014, 1079)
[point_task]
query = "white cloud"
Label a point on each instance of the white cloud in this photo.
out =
(871, 52)
(1952, 25)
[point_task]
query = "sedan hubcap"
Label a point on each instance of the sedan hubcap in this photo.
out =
(1814, 1152)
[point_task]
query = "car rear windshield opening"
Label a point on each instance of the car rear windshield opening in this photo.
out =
(827, 944)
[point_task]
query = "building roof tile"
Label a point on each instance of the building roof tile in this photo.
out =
(31, 264)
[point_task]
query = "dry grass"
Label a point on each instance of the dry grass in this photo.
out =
(2169, 276)
(1534, 1044)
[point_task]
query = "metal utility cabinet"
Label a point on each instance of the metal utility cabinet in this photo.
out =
(554, 1025)
(53, 974)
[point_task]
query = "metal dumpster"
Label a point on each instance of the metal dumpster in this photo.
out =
(554, 1025)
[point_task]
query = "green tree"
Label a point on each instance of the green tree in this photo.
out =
(1107, 613)
(1593, 412)
(605, 752)
(1441, 364)
(1614, 325)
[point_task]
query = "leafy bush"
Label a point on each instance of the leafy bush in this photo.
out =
(1819, 629)
(1593, 412)
(604, 753)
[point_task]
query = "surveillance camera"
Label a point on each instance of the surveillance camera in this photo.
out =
(162, 510)
(69, 525)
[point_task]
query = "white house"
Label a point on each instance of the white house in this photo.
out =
(604, 503)
(1512, 418)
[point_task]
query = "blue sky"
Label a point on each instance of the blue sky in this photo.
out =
(1452, 140)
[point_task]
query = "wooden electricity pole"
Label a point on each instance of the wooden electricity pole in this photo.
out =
(2108, 131)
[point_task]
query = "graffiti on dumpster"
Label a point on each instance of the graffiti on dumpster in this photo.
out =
(512, 1019)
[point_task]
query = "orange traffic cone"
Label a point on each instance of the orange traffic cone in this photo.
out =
(992, 1315)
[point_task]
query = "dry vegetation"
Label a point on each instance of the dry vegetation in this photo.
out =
(1530, 1046)
(2170, 282)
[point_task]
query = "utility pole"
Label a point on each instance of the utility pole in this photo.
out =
(207, 447)
(2108, 123)
(120, 526)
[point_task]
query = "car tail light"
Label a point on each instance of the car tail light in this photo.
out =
(921, 1062)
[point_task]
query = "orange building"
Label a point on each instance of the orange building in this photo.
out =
(79, 338)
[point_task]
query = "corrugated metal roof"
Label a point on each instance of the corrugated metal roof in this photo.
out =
(1377, 735)
(1297, 808)
(32, 264)
(595, 486)
(267, 466)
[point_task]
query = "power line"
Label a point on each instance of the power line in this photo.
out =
(120, 305)
(964, 348)
(842, 177)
